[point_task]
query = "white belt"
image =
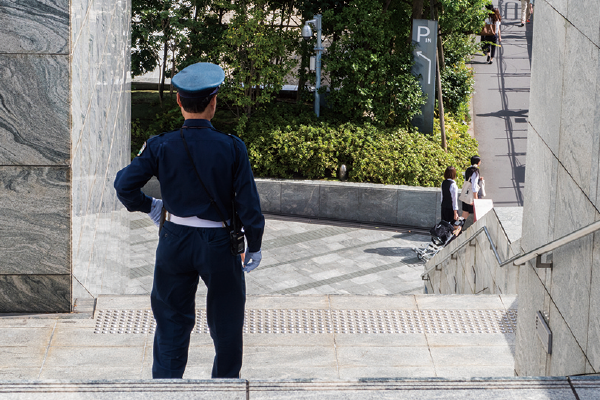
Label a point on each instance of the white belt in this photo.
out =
(194, 222)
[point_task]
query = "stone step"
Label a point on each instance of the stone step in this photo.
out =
(336, 337)
(583, 388)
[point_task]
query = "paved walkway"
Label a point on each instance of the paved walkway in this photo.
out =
(501, 106)
(301, 256)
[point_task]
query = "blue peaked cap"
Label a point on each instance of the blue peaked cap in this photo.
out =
(199, 80)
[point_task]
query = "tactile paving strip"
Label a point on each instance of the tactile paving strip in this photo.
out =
(310, 321)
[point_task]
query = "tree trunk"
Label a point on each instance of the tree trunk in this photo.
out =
(302, 73)
(417, 13)
(386, 5)
(161, 87)
(417, 10)
(441, 106)
(172, 74)
(440, 48)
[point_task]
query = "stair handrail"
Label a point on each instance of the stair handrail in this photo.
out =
(522, 258)
(463, 244)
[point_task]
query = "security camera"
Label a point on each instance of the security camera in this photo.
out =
(306, 31)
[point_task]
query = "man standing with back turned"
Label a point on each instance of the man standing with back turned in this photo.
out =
(194, 164)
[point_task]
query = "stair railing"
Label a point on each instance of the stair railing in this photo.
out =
(521, 259)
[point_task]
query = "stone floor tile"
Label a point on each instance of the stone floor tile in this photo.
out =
(473, 356)
(361, 280)
(459, 371)
(287, 302)
(196, 340)
(84, 372)
(384, 357)
(588, 394)
(330, 258)
(308, 292)
(385, 372)
(373, 302)
(253, 371)
(290, 357)
(330, 273)
(510, 301)
(25, 336)
(289, 340)
(17, 373)
(106, 302)
(27, 322)
(100, 357)
(77, 337)
(380, 340)
(470, 339)
(23, 357)
(463, 302)
(325, 289)
(198, 356)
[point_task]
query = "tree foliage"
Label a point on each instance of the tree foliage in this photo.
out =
(366, 65)
(369, 64)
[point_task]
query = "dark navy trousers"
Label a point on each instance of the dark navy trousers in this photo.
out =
(184, 255)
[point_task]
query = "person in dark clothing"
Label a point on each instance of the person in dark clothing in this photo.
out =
(449, 196)
(205, 180)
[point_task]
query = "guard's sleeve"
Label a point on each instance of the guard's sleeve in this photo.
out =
(247, 201)
(131, 179)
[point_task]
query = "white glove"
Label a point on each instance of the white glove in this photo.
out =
(156, 211)
(251, 260)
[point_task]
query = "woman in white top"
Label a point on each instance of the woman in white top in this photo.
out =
(449, 196)
(490, 42)
(472, 175)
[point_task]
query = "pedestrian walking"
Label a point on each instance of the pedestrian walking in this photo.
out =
(490, 41)
(472, 176)
(449, 196)
(206, 181)
(526, 10)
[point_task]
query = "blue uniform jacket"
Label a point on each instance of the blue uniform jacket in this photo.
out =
(222, 167)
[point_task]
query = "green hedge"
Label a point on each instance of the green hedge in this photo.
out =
(283, 145)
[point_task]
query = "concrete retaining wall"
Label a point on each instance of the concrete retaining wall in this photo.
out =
(362, 202)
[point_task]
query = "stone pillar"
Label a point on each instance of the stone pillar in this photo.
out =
(64, 132)
(561, 191)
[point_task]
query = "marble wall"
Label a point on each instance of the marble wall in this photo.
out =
(561, 190)
(64, 132)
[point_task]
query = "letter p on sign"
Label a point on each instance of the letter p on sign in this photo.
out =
(423, 31)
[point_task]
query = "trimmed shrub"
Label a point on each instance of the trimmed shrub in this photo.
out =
(283, 145)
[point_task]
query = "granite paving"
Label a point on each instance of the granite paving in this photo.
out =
(304, 256)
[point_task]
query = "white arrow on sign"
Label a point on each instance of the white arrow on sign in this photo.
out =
(420, 54)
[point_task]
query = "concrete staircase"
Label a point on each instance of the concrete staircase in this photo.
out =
(430, 388)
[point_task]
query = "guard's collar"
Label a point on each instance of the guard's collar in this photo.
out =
(204, 123)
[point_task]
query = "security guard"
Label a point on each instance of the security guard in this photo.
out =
(193, 243)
